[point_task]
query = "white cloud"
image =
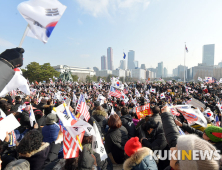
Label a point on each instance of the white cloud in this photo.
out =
(107, 7)
(6, 44)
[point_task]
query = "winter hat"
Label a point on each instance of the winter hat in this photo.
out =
(214, 133)
(13, 56)
(132, 146)
(193, 142)
(20, 164)
(51, 118)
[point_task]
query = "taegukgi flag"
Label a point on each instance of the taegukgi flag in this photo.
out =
(42, 17)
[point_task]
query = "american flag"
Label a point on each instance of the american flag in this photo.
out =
(82, 108)
(217, 122)
(126, 90)
(70, 147)
(115, 93)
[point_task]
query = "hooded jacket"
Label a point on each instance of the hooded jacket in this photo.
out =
(140, 160)
(100, 117)
(127, 122)
(43, 156)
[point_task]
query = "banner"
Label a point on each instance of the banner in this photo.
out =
(143, 111)
(196, 103)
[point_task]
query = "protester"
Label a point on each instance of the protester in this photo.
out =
(140, 158)
(119, 129)
(127, 122)
(36, 152)
(115, 140)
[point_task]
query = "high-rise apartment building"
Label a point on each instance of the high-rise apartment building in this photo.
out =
(110, 58)
(160, 69)
(103, 63)
(131, 59)
(208, 54)
(123, 64)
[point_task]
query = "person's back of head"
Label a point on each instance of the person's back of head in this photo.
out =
(124, 111)
(20, 164)
(155, 110)
(192, 142)
(18, 98)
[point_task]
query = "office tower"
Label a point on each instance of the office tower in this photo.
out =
(160, 70)
(165, 72)
(136, 64)
(143, 66)
(103, 63)
(131, 58)
(123, 64)
(110, 58)
(208, 54)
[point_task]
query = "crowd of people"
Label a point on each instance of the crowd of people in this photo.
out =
(129, 142)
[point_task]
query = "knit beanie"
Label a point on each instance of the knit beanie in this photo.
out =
(192, 142)
(132, 146)
(214, 133)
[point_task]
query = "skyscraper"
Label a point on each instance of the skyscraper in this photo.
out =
(160, 69)
(123, 64)
(165, 72)
(136, 64)
(110, 58)
(208, 54)
(103, 63)
(131, 59)
(143, 66)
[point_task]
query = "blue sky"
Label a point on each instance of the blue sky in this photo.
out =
(155, 29)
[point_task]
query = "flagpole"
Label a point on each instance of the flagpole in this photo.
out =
(24, 35)
(184, 60)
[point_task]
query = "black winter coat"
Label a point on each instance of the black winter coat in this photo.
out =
(43, 156)
(170, 129)
(115, 141)
(156, 118)
(127, 122)
(157, 140)
(100, 117)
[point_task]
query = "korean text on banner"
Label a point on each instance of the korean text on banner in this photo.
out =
(143, 111)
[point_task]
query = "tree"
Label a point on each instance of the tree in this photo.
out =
(75, 77)
(36, 72)
(88, 78)
(94, 78)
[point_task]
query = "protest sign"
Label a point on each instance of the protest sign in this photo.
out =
(197, 103)
(143, 111)
(8, 124)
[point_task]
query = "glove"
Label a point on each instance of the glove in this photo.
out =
(14, 56)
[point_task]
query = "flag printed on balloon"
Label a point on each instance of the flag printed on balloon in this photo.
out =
(42, 17)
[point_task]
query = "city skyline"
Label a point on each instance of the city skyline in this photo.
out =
(155, 30)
